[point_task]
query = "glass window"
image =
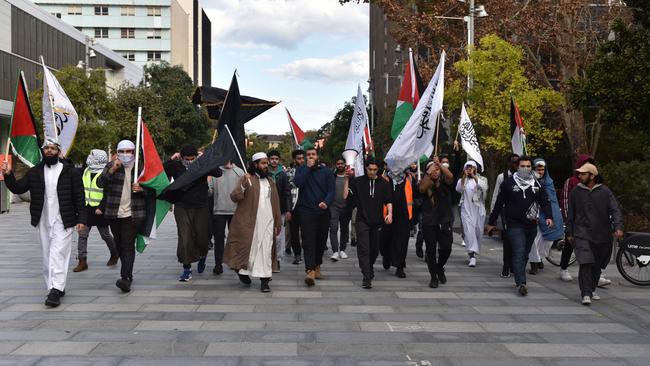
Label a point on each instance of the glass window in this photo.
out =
(58, 15)
(74, 9)
(154, 11)
(101, 32)
(128, 11)
(128, 32)
(129, 56)
(154, 34)
(101, 10)
(153, 56)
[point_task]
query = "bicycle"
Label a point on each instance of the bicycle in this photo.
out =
(633, 258)
(555, 253)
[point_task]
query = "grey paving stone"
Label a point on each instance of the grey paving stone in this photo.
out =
(376, 351)
(175, 361)
(19, 360)
(251, 349)
(544, 350)
(149, 348)
(6, 347)
(86, 361)
(478, 350)
(64, 348)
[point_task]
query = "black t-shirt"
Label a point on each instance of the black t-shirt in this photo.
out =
(370, 197)
(439, 211)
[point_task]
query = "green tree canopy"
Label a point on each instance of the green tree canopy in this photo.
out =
(498, 72)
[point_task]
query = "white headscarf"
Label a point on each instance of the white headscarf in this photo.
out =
(259, 156)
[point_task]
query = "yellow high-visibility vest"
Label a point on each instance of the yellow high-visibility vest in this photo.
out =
(94, 194)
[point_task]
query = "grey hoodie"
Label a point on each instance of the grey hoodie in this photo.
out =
(221, 187)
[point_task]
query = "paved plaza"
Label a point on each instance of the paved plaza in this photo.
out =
(476, 319)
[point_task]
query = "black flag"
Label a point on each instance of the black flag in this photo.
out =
(218, 153)
(229, 116)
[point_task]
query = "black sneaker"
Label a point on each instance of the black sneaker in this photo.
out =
(540, 265)
(297, 260)
(353, 243)
(264, 287)
(434, 282)
(441, 276)
(53, 298)
(523, 290)
(505, 272)
(366, 284)
(61, 293)
(124, 284)
(386, 263)
(244, 279)
(218, 269)
(400, 273)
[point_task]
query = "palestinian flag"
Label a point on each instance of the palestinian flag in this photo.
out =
(24, 138)
(409, 96)
(153, 176)
(298, 134)
(518, 139)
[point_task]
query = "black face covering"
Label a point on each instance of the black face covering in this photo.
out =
(50, 160)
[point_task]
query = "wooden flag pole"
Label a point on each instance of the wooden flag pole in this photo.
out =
(137, 143)
(437, 134)
(49, 97)
(238, 153)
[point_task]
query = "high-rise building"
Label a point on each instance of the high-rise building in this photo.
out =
(145, 31)
(387, 59)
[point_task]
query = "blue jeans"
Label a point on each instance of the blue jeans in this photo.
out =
(521, 238)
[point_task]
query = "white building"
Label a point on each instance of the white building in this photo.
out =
(144, 31)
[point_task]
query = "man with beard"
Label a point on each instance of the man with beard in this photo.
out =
(125, 207)
(276, 171)
(316, 184)
(369, 194)
(520, 199)
(192, 215)
(339, 218)
(593, 215)
(56, 207)
(96, 161)
(250, 250)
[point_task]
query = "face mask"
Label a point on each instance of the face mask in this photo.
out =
(524, 172)
(446, 165)
(50, 160)
(186, 163)
(538, 176)
(126, 159)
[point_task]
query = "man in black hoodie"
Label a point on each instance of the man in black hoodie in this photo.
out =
(520, 199)
(57, 206)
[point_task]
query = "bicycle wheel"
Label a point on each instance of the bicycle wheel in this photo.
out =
(634, 269)
(555, 253)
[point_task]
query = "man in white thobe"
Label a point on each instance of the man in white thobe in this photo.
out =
(56, 207)
(250, 249)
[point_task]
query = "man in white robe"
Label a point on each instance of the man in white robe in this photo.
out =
(250, 249)
(57, 206)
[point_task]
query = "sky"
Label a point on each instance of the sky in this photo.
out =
(308, 54)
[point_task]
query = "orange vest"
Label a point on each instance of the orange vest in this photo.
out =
(408, 192)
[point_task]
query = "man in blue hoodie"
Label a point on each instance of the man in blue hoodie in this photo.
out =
(316, 184)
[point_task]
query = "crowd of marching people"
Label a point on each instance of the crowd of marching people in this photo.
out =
(254, 218)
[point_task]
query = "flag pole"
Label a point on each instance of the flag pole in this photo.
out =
(137, 143)
(437, 134)
(419, 170)
(291, 127)
(49, 97)
(238, 153)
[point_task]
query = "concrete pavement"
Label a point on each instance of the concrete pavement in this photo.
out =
(476, 319)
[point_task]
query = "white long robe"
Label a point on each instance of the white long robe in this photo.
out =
(56, 241)
(540, 248)
(472, 214)
(260, 257)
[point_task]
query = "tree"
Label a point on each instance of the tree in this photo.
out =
(560, 39)
(617, 87)
(498, 72)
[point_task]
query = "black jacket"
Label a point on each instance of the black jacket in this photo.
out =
(593, 214)
(520, 208)
(69, 188)
(284, 189)
(196, 194)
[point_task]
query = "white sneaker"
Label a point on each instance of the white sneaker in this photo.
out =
(565, 275)
(586, 300)
(602, 282)
(463, 243)
(472, 262)
(595, 297)
(335, 257)
(343, 255)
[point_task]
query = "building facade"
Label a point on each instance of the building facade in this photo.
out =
(144, 31)
(28, 32)
(387, 60)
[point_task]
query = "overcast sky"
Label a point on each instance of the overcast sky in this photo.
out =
(309, 54)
